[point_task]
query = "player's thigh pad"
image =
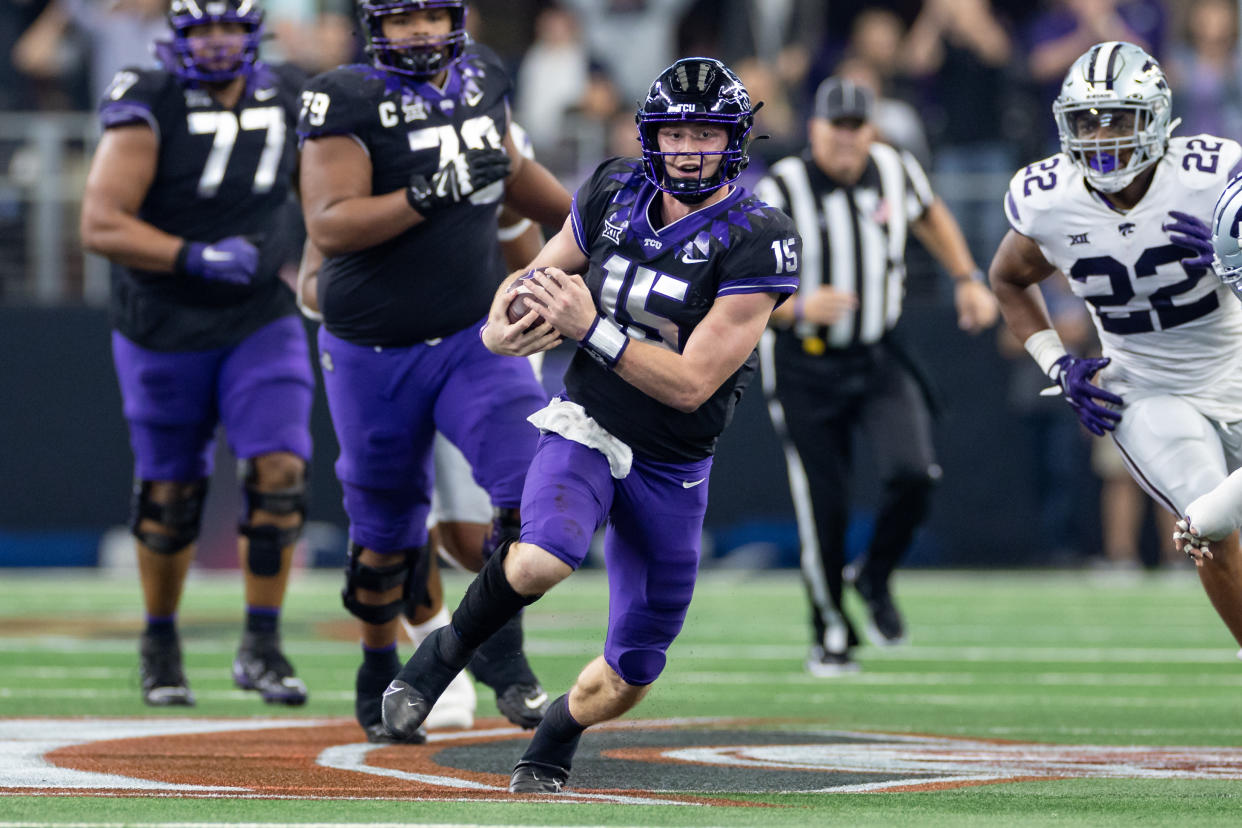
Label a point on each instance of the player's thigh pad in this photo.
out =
(381, 402)
(457, 497)
(483, 410)
(652, 553)
(170, 407)
(266, 388)
(568, 493)
(1171, 450)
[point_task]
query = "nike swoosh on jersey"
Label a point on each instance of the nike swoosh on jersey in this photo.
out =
(690, 484)
(264, 94)
(688, 260)
(213, 255)
(536, 701)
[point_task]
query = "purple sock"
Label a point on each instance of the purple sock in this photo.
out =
(262, 620)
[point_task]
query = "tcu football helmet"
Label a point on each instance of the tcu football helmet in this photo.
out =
(419, 58)
(1113, 114)
(695, 90)
(206, 61)
(1226, 226)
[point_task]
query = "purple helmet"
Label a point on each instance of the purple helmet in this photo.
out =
(420, 58)
(202, 64)
(696, 90)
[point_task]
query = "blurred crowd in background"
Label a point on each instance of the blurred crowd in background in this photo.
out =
(964, 85)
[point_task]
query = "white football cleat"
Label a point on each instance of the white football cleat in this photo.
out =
(455, 708)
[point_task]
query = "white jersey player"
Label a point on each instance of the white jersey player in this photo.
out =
(1122, 211)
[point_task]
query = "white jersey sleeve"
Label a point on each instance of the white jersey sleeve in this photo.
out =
(1168, 329)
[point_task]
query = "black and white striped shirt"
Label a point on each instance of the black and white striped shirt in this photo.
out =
(853, 237)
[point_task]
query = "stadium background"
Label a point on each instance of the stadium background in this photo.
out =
(1018, 487)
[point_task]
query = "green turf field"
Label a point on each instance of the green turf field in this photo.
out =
(1066, 658)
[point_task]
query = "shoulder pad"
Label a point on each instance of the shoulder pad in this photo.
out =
(1038, 188)
(616, 174)
(1203, 161)
(134, 96)
(764, 249)
(481, 54)
(341, 101)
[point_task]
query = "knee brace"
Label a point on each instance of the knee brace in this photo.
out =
(267, 542)
(407, 571)
(181, 517)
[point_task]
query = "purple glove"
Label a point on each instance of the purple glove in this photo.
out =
(1073, 376)
(233, 260)
(1194, 235)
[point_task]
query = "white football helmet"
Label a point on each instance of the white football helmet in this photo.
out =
(1226, 224)
(1114, 86)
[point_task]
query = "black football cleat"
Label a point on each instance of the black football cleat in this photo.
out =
(378, 734)
(260, 665)
(533, 778)
(885, 626)
(404, 710)
(523, 704)
(159, 668)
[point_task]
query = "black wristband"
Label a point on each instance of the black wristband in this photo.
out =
(183, 255)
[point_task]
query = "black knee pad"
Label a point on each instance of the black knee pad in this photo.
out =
(409, 569)
(181, 517)
(267, 542)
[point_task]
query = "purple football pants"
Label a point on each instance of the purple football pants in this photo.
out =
(387, 404)
(260, 390)
(651, 546)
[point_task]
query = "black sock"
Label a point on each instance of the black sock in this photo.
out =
(500, 662)
(489, 603)
(162, 626)
(556, 738)
(262, 620)
(381, 659)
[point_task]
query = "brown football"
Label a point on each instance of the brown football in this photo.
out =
(523, 300)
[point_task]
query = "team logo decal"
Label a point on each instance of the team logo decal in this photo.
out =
(709, 759)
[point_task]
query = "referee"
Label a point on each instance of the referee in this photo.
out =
(830, 367)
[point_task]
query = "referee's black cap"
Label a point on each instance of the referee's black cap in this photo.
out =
(838, 98)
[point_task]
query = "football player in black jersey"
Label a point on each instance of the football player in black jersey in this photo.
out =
(185, 195)
(404, 162)
(665, 274)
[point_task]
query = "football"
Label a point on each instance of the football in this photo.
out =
(523, 300)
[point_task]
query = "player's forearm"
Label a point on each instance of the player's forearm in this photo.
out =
(128, 240)
(354, 224)
(536, 194)
(1022, 307)
(942, 236)
(666, 376)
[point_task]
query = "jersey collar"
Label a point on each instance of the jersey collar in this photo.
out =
(684, 227)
